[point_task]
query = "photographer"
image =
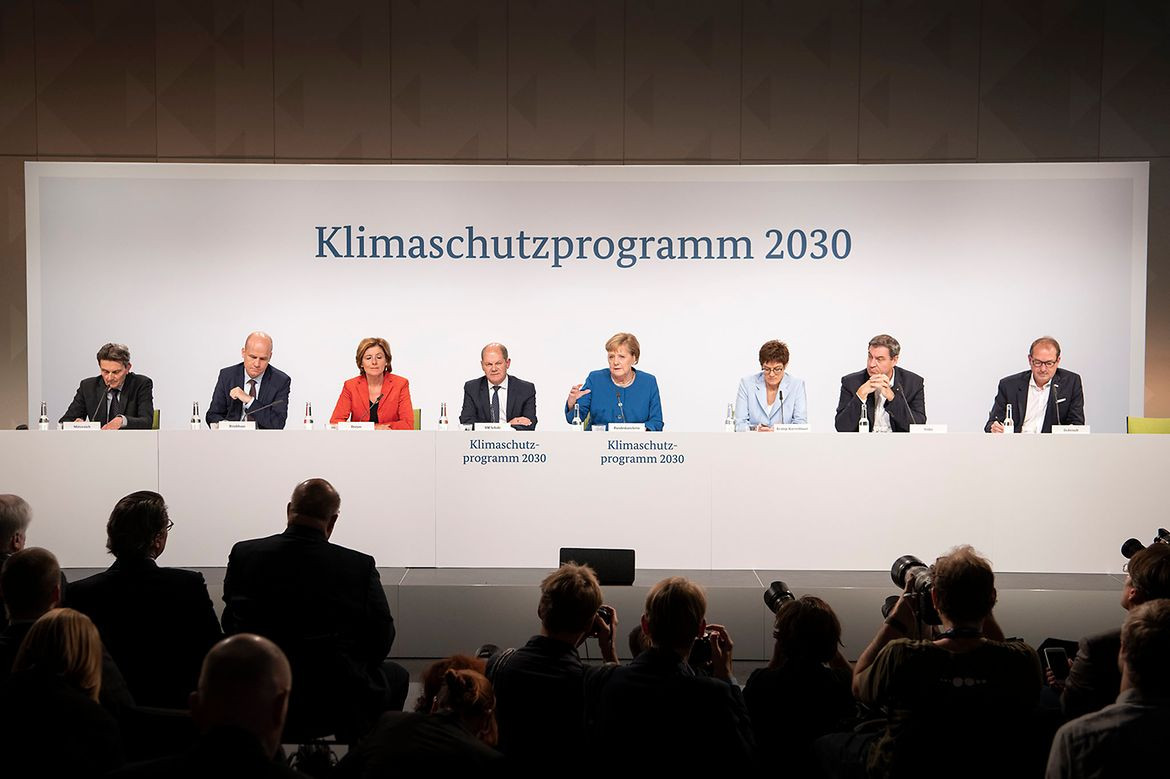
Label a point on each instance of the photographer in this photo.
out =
(805, 690)
(963, 699)
(539, 687)
(656, 711)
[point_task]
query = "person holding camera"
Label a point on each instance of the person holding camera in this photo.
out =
(805, 691)
(963, 699)
(656, 711)
(540, 686)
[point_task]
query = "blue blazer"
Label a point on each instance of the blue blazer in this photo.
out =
(751, 403)
(274, 385)
(639, 401)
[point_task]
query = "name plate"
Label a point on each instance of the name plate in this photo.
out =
(355, 425)
(791, 429)
(497, 427)
(81, 425)
(928, 428)
(627, 427)
(225, 424)
(1070, 429)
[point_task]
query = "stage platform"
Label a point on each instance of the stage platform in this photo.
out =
(441, 611)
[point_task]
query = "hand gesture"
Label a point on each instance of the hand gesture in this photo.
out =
(575, 394)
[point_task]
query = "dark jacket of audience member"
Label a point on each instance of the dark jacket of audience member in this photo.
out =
(805, 691)
(156, 622)
(50, 721)
(324, 606)
(457, 738)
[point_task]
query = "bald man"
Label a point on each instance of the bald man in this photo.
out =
(239, 708)
(324, 605)
(252, 390)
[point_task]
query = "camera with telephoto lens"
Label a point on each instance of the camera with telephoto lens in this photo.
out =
(1133, 546)
(776, 595)
(701, 659)
(917, 581)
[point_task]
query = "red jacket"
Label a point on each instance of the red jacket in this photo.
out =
(394, 409)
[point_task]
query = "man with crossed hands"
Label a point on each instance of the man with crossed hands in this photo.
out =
(876, 389)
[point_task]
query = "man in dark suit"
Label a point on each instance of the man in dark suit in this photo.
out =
(324, 606)
(1041, 397)
(253, 383)
(656, 710)
(893, 400)
(117, 398)
(157, 622)
(498, 397)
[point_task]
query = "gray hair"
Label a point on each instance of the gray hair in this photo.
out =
(115, 353)
(15, 514)
(494, 345)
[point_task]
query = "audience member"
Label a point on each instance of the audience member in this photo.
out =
(951, 699)
(540, 685)
(805, 691)
(50, 721)
(457, 736)
(158, 623)
(239, 708)
(656, 712)
(432, 678)
(15, 515)
(324, 606)
(1125, 739)
(1094, 680)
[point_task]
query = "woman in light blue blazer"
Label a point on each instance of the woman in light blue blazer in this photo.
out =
(770, 397)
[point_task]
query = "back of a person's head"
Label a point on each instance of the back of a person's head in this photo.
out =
(469, 695)
(806, 631)
(432, 678)
(1149, 572)
(964, 585)
(314, 501)
(1145, 647)
(65, 643)
(30, 583)
(135, 523)
(675, 609)
(245, 679)
(569, 599)
(15, 515)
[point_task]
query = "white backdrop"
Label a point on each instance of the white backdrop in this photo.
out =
(964, 264)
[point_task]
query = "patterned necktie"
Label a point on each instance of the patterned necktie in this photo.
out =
(496, 403)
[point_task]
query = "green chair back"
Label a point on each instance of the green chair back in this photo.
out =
(418, 419)
(154, 423)
(1147, 425)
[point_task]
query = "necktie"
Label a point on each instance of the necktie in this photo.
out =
(496, 403)
(252, 395)
(112, 409)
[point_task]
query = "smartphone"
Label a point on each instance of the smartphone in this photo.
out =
(1057, 660)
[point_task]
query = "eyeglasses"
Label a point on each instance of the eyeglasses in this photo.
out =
(1044, 363)
(170, 525)
(772, 371)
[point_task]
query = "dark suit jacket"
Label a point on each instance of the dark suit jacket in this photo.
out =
(477, 402)
(226, 752)
(157, 623)
(136, 402)
(274, 386)
(1014, 389)
(909, 389)
(1094, 680)
(325, 607)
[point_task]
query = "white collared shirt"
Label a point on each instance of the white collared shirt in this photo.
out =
(244, 386)
(503, 385)
(1037, 406)
(881, 417)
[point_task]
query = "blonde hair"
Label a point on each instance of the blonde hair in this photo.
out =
(64, 642)
(675, 609)
(365, 344)
(628, 340)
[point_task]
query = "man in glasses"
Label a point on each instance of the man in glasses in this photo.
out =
(1041, 397)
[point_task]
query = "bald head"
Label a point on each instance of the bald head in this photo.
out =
(245, 683)
(257, 352)
(314, 503)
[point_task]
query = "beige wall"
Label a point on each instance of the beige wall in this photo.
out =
(600, 81)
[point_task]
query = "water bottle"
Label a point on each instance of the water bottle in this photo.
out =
(1009, 425)
(729, 420)
(43, 420)
(308, 415)
(576, 423)
(443, 424)
(196, 420)
(863, 424)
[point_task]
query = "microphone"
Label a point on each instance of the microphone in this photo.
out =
(780, 397)
(621, 410)
(1056, 402)
(262, 408)
(913, 419)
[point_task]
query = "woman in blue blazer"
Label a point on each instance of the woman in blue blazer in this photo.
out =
(770, 397)
(620, 393)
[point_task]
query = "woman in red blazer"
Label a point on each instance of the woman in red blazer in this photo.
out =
(377, 389)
